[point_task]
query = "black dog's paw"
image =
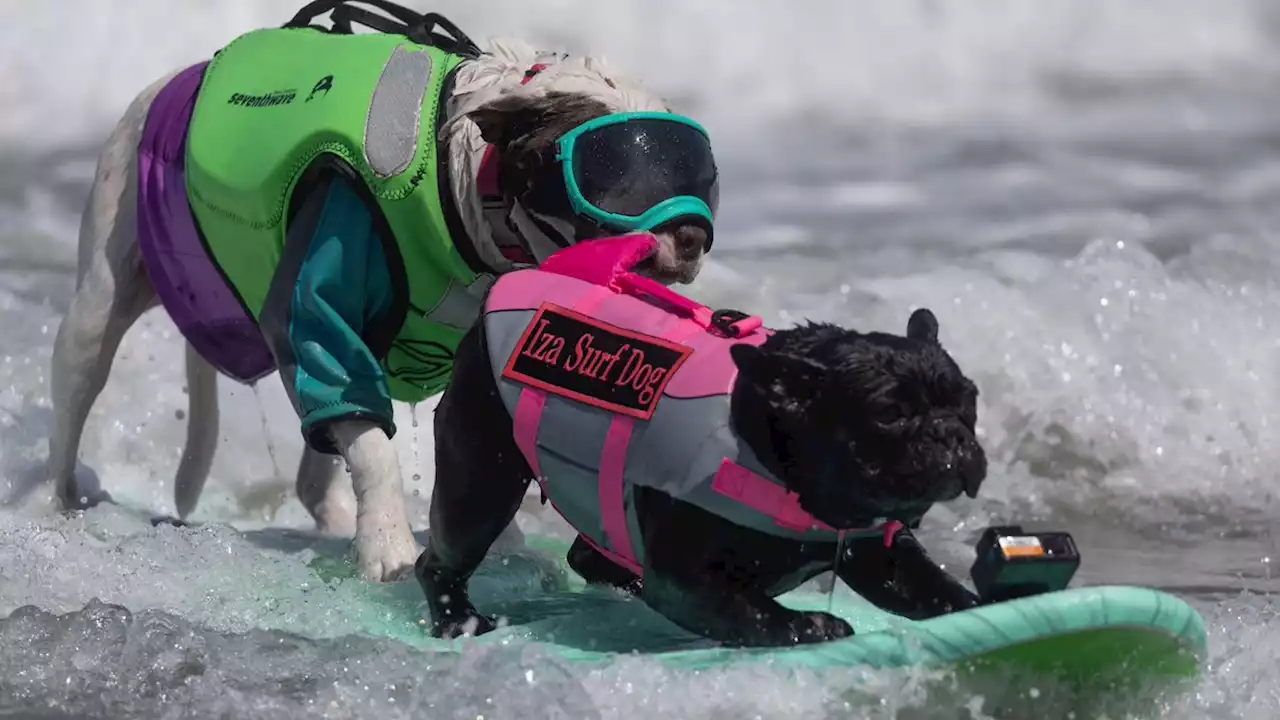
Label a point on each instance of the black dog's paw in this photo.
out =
(816, 627)
(962, 598)
(468, 623)
(597, 569)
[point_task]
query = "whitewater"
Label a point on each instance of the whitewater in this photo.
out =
(1083, 191)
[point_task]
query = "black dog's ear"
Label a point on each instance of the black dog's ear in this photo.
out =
(779, 374)
(923, 326)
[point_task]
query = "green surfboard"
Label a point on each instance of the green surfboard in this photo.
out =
(1106, 636)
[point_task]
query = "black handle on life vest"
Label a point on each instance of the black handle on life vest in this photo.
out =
(315, 9)
(725, 321)
(458, 44)
(416, 26)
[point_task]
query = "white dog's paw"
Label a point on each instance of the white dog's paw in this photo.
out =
(386, 554)
(77, 490)
(335, 521)
(336, 514)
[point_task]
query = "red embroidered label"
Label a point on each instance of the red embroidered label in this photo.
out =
(580, 358)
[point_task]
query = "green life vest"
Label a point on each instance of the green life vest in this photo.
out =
(275, 101)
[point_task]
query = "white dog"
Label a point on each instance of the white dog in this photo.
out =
(510, 98)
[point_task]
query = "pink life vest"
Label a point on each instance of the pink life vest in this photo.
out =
(614, 381)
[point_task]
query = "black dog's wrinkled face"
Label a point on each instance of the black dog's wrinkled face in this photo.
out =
(525, 130)
(869, 425)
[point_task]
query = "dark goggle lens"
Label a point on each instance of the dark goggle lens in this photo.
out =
(629, 167)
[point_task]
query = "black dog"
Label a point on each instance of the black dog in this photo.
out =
(862, 427)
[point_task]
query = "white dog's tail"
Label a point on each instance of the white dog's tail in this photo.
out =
(202, 433)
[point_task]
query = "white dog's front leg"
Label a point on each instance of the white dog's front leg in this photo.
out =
(385, 547)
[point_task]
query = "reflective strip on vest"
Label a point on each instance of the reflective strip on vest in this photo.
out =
(589, 458)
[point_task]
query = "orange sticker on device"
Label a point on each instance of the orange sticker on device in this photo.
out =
(1023, 546)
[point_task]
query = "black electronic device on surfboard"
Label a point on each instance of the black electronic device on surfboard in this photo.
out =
(1013, 564)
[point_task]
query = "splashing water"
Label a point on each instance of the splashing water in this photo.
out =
(1082, 190)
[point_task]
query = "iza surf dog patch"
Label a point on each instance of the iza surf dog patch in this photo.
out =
(580, 358)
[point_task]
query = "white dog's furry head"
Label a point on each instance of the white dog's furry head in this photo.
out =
(490, 105)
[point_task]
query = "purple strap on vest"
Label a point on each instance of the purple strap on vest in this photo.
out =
(188, 283)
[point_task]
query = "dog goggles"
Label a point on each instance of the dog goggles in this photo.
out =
(639, 170)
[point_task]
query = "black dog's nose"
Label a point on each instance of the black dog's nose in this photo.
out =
(973, 469)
